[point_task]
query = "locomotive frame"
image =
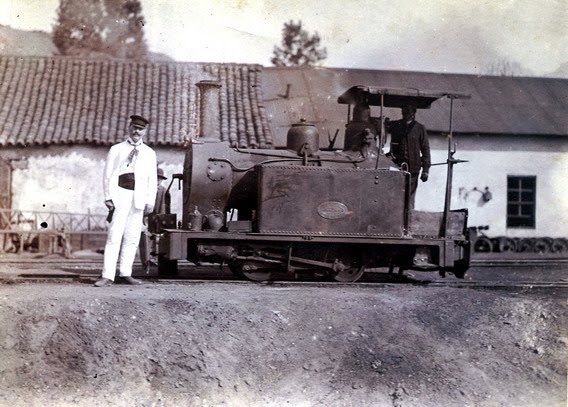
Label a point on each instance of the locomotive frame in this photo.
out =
(334, 213)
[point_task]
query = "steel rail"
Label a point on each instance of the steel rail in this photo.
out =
(389, 281)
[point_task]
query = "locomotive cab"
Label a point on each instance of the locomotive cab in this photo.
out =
(337, 213)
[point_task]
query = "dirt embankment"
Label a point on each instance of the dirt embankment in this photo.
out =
(259, 345)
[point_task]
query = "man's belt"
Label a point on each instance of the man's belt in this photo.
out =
(126, 181)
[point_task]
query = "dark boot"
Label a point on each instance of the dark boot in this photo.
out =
(131, 280)
(103, 282)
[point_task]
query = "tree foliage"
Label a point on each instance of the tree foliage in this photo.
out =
(299, 48)
(112, 28)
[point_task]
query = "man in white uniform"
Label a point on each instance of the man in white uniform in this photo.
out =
(129, 183)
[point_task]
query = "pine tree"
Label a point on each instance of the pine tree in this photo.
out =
(111, 28)
(299, 48)
(126, 37)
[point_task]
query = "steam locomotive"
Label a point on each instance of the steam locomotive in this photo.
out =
(306, 209)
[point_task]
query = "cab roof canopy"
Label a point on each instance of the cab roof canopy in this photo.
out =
(395, 97)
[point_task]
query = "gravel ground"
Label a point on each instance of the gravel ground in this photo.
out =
(247, 344)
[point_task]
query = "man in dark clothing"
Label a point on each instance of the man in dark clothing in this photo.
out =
(409, 144)
(147, 240)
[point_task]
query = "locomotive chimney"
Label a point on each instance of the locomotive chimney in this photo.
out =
(209, 127)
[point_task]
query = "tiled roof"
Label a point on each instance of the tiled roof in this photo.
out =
(498, 104)
(62, 100)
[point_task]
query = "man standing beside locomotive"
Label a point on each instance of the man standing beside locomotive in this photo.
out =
(162, 205)
(129, 183)
(409, 144)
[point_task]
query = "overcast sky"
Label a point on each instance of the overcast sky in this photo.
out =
(434, 35)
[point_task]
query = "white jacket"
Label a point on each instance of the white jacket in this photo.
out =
(145, 173)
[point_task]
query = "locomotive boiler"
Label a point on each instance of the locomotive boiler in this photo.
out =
(308, 208)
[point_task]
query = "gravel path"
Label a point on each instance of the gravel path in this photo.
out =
(260, 345)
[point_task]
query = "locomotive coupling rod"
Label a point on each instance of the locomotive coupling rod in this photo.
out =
(283, 257)
(259, 259)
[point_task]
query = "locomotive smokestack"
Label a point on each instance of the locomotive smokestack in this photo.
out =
(209, 110)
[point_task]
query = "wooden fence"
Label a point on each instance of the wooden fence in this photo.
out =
(50, 232)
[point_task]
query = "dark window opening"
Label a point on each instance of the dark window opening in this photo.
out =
(521, 202)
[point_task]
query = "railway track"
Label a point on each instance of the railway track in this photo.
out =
(380, 281)
(86, 270)
(502, 285)
(475, 262)
(556, 288)
(544, 262)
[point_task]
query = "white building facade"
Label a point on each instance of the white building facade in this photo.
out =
(525, 179)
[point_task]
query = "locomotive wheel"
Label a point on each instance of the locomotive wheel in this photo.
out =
(559, 246)
(458, 271)
(250, 271)
(258, 276)
(483, 245)
(236, 269)
(543, 245)
(348, 274)
(505, 244)
(166, 267)
(347, 265)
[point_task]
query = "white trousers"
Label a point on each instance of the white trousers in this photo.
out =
(123, 235)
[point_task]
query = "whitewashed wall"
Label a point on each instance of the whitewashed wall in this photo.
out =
(69, 179)
(491, 160)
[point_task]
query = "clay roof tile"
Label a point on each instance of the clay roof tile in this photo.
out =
(63, 100)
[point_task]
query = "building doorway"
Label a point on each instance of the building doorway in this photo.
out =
(5, 198)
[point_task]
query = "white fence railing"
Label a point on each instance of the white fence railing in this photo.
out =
(26, 221)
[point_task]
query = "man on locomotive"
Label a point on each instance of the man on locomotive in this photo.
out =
(362, 145)
(129, 183)
(409, 144)
(361, 124)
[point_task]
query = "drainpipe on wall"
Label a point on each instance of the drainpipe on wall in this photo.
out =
(209, 123)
